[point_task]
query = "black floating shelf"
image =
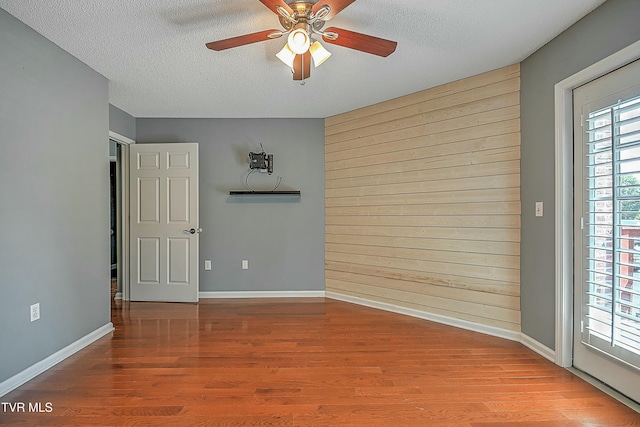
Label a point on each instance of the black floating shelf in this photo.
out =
(264, 193)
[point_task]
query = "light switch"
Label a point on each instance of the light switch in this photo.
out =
(539, 209)
(207, 264)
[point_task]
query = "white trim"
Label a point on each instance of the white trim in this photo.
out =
(124, 267)
(527, 341)
(262, 294)
(538, 347)
(564, 194)
(120, 139)
(564, 223)
(40, 367)
(458, 323)
(118, 296)
(524, 339)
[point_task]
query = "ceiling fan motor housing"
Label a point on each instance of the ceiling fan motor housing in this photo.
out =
(302, 11)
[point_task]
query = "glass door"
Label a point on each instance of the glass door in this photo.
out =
(607, 247)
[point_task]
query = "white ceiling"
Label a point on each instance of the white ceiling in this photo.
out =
(153, 51)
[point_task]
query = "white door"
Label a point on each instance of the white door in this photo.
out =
(164, 222)
(607, 232)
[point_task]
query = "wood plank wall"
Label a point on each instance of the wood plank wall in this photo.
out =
(422, 201)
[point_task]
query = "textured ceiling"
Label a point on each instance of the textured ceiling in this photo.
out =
(153, 51)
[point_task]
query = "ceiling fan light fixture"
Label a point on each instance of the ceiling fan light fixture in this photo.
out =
(303, 22)
(299, 41)
(318, 53)
(286, 55)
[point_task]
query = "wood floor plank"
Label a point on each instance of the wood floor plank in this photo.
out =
(304, 362)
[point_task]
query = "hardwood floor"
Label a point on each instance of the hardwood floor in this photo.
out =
(304, 362)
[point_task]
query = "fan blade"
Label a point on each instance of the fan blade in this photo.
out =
(271, 4)
(335, 5)
(242, 40)
(302, 66)
(361, 42)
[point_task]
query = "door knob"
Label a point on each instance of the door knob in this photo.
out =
(193, 230)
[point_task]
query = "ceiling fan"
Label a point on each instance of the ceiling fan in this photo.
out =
(303, 21)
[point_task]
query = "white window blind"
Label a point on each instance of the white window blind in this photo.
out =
(611, 321)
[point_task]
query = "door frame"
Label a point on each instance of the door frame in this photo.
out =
(122, 229)
(564, 194)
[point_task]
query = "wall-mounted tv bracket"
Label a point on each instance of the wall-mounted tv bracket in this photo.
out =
(261, 161)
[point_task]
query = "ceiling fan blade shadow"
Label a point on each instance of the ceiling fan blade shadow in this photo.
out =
(242, 40)
(361, 42)
(302, 66)
(202, 15)
(335, 5)
(271, 4)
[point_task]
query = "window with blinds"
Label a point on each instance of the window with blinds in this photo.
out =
(611, 319)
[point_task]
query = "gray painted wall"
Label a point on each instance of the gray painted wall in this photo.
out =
(122, 122)
(54, 195)
(54, 121)
(606, 30)
(281, 236)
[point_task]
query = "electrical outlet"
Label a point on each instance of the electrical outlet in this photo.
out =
(35, 312)
(539, 209)
(207, 264)
(245, 264)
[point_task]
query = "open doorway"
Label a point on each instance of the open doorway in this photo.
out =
(119, 218)
(113, 222)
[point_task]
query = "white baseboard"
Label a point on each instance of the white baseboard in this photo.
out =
(117, 296)
(525, 340)
(539, 348)
(263, 294)
(450, 321)
(57, 357)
